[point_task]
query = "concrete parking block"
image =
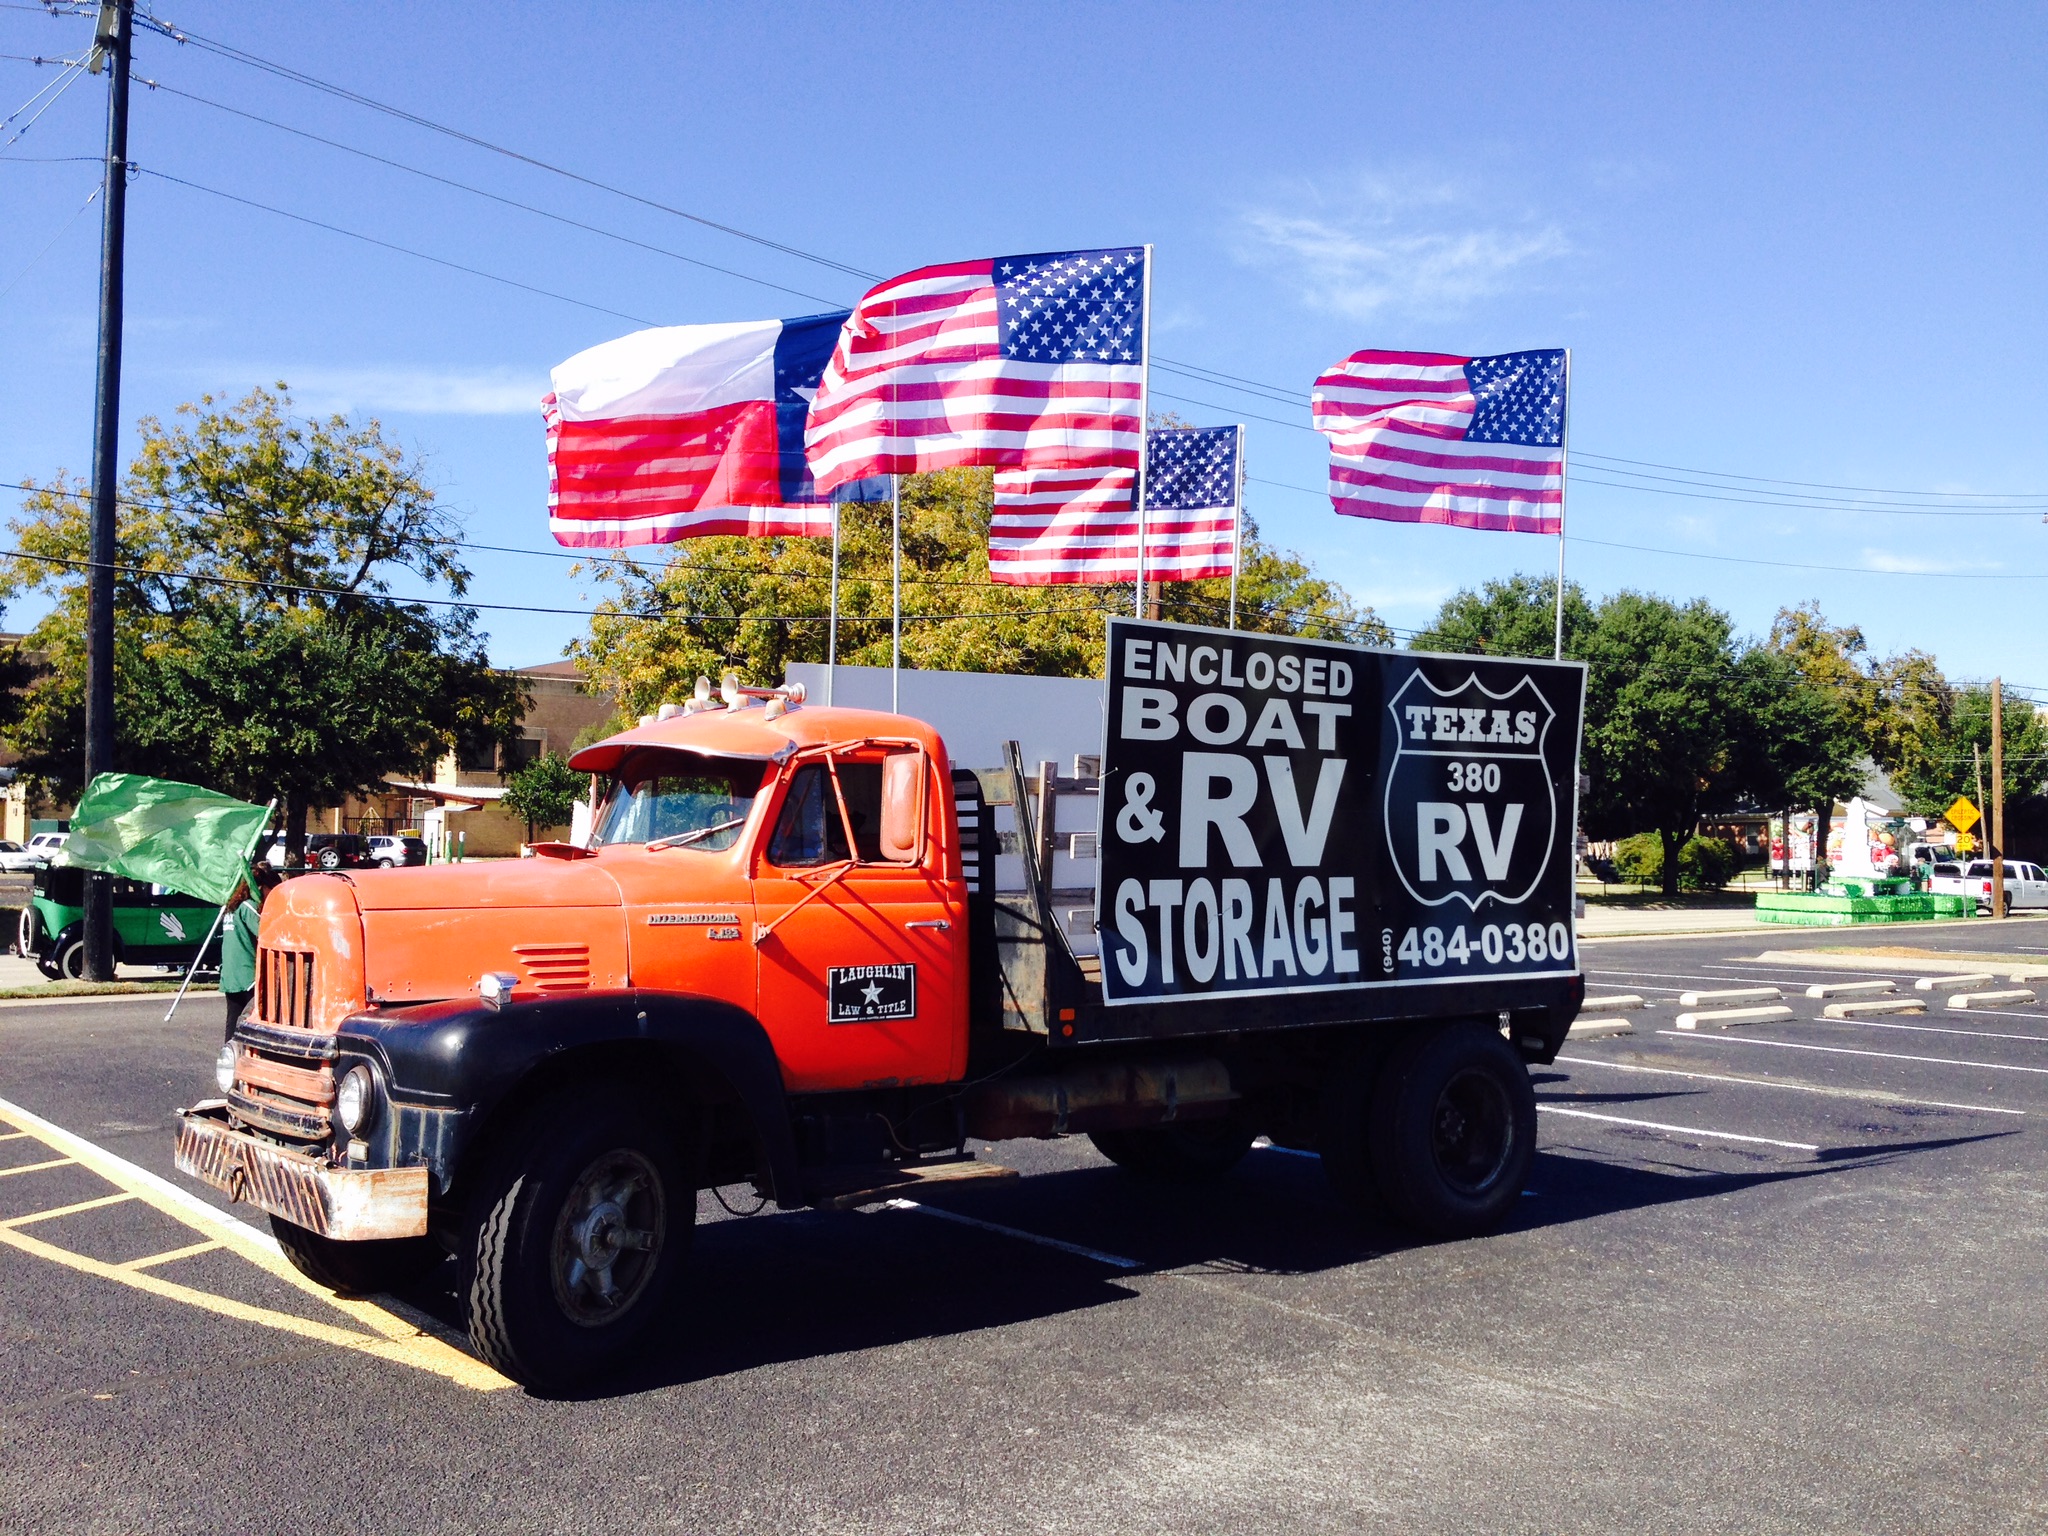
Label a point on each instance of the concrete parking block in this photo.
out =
(2007, 999)
(1874, 1007)
(1726, 1018)
(1968, 981)
(1627, 1000)
(1729, 995)
(1850, 988)
(1600, 1029)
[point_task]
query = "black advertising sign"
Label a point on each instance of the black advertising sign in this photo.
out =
(870, 994)
(1284, 815)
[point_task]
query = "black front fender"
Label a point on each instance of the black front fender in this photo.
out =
(452, 1066)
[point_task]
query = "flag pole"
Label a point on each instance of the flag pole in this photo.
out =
(220, 916)
(1237, 527)
(1144, 426)
(896, 593)
(1563, 477)
(832, 623)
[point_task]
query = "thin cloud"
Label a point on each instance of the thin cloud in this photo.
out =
(424, 391)
(1921, 565)
(1395, 246)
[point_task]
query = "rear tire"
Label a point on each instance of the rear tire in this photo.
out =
(1452, 1130)
(580, 1234)
(1189, 1152)
(68, 964)
(357, 1269)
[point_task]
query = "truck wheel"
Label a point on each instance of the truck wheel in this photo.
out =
(1196, 1152)
(356, 1268)
(1452, 1130)
(580, 1236)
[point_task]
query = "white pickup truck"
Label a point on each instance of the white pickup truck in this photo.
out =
(2025, 884)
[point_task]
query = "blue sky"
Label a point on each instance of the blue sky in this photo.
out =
(1793, 243)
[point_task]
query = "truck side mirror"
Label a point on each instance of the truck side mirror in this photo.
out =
(902, 806)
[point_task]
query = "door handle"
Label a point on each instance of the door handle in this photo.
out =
(939, 923)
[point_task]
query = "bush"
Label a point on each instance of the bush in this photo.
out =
(1704, 863)
(1707, 863)
(1640, 858)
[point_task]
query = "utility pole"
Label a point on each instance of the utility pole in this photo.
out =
(110, 47)
(1997, 798)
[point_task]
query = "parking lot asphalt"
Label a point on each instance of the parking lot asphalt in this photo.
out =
(1780, 1277)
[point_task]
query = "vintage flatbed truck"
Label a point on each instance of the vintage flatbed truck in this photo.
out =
(802, 949)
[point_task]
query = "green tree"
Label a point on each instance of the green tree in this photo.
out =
(256, 644)
(1513, 617)
(755, 605)
(544, 792)
(1956, 737)
(1803, 734)
(1662, 718)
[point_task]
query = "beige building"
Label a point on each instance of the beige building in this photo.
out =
(457, 808)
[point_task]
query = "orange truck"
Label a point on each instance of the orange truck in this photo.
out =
(1331, 905)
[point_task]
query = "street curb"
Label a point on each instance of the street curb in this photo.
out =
(104, 997)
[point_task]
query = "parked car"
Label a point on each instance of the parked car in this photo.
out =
(391, 852)
(152, 926)
(2025, 884)
(45, 846)
(324, 850)
(17, 860)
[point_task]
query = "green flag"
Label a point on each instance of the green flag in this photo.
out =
(168, 833)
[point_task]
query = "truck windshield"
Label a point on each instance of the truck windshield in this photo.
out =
(663, 795)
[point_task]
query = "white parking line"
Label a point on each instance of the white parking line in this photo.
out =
(1114, 1260)
(1937, 1029)
(1678, 1130)
(1843, 1050)
(1873, 1096)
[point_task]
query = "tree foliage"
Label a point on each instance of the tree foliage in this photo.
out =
(256, 646)
(544, 792)
(756, 605)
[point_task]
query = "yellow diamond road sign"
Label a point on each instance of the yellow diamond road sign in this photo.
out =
(1962, 815)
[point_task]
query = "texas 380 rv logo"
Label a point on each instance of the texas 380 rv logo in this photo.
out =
(1470, 810)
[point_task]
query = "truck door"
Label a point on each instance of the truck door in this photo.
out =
(860, 935)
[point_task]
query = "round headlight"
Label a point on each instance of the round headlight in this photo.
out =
(224, 1068)
(355, 1098)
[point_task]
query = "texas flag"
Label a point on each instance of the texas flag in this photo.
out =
(686, 431)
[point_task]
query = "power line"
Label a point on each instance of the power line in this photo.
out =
(63, 83)
(299, 77)
(439, 261)
(665, 615)
(1278, 393)
(62, 230)
(462, 186)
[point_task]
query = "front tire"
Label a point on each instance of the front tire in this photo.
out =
(1189, 1152)
(580, 1235)
(1452, 1131)
(356, 1269)
(68, 964)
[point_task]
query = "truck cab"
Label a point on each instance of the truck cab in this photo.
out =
(783, 956)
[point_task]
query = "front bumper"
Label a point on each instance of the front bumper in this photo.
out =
(347, 1204)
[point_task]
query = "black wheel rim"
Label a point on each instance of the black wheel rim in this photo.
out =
(1472, 1131)
(608, 1238)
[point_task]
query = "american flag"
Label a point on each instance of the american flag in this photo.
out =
(1077, 525)
(1021, 362)
(1422, 437)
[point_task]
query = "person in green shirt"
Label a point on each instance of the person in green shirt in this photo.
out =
(238, 942)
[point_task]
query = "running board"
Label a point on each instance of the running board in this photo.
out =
(871, 1186)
